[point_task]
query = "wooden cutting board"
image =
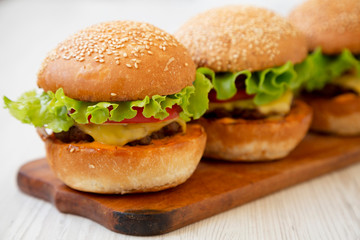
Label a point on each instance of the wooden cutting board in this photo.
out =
(215, 187)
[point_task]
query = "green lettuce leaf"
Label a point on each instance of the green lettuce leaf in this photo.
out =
(33, 108)
(267, 85)
(59, 112)
(318, 69)
(198, 102)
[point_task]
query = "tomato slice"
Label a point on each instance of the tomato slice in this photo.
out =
(240, 95)
(139, 118)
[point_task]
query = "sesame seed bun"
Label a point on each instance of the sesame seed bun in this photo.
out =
(330, 24)
(100, 168)
(339, 115)
(117, 61)
(235, 38)
(256, 140)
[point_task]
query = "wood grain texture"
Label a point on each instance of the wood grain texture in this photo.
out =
(216, 186)
(325, 208)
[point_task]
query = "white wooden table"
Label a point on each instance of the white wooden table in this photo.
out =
(324, 208)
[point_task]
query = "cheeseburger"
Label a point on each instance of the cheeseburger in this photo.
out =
(332, 70)
(248, 53)
(117, 96)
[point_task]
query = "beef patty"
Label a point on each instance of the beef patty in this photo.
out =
(76, 135)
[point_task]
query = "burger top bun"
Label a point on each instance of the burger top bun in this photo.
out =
(117, 61)
(330, 24)
(235, 38)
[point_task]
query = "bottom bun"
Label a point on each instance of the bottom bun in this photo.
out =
(99, 168)
(339, 115)
(256, 140)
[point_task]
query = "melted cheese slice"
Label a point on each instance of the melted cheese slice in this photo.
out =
(280, 106)
(350, 81)
(120, 134)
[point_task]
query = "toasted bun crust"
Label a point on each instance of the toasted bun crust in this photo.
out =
(235, 38)
(99, 168)
(117, 61)
(339, 115)
(330, 24)
(256, 140)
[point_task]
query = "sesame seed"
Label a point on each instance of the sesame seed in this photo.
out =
(168, 63)
(104, 39)
(113, 94)
(335, 19)
(72, 150)
(242, 27)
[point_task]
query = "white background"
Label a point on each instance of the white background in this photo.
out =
(325, 208)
